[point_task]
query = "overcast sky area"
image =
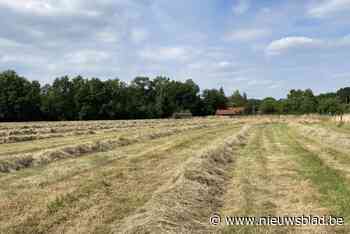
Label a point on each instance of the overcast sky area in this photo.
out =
(262, 47)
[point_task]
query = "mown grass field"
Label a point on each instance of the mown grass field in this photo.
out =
(170, 176)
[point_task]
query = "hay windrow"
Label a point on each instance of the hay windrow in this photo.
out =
(324, 135)
(19, 162)
(14, 133)
(194, 193)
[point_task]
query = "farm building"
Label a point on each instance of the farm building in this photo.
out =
(230, 111)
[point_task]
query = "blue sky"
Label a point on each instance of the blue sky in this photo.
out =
(264, 48)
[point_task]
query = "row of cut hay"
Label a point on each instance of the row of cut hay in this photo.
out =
(61, 129)
(266, 119)
(32, 134)
(73, 124)
(12, 138)
(18, 162)
(324, 135)
(22, 138)
(185, 203)
(50, 128)
(307, 119)
(30, 160)
(33, 131)
(86, 124)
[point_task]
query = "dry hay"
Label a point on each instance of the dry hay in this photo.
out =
(324, 135)
(338, 118)
(17, 133)
(22, 138)
(185, 203)
(18, 162)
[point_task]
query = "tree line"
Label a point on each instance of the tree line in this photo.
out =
(79, 98)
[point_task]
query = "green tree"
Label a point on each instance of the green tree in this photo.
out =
(269, 106)
(252, 106)
(214, 99)
(344, 95)
(330, 106)
(309, 102)
(238, 100)
(19, 99)
(116, 104)
(59, 100)
(95, 97)
(300, 102)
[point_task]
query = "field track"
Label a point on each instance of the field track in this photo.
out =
(170, 176)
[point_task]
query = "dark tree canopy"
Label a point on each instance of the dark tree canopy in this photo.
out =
(19, 98)
(269, 106)
(78, 98)
(344, 95)
(214, 99)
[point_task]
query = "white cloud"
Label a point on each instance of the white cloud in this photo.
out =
(68, 40)
(210, 66)
(24, 59)
(330, 7)
(107, 36)
(5, 43)
(224, 64)
(165, 53)
(247, 34)
(48, 7)
(258, 82)
(139, 35)
(86, 57)
(274, 86)
(241, 7)
(287, 43)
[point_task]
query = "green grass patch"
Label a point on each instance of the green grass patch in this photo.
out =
(333, 153)
(332, 186)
